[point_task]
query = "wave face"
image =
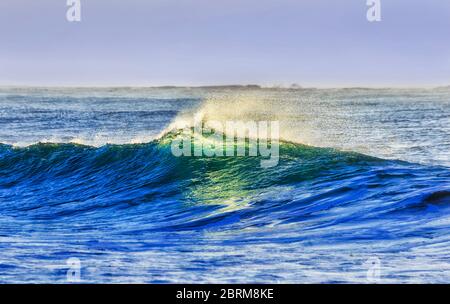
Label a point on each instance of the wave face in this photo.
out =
(136, 213)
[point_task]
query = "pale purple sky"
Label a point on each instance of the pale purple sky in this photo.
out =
(205, 42)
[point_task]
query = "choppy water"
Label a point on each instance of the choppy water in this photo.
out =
(363, 176)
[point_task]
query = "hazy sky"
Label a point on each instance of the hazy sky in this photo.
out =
(200, 42)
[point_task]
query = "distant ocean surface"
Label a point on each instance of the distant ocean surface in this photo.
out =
(363, 181)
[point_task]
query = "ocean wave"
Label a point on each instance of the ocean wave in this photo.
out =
(52, 181)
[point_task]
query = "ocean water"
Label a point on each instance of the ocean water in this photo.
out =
(361, 192)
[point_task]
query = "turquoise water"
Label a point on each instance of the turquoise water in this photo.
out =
(89, 174)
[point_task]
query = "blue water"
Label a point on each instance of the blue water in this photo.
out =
(89, 174)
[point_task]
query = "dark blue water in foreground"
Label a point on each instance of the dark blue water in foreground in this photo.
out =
(136, 213)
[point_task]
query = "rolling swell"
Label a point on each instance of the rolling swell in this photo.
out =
(149, 190)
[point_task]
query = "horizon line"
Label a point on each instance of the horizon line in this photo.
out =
(293, 86)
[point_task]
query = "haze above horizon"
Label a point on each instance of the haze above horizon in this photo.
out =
(321, 43)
